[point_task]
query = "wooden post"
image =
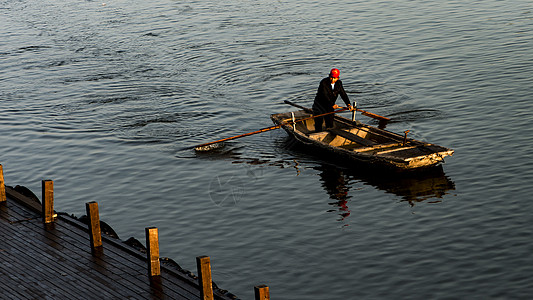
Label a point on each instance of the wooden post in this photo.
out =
(405, 136)
(2, 185)
(203, 263)
(94, 225)
(152, 251)
(354, 105)
(48, 201)
(261, 292)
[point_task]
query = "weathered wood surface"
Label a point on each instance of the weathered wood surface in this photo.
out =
(152, 251)
(352, 137)
(48, 201)
(54, 261)
(203, 264)
(2, 186)
(262, 292)
(95, 234)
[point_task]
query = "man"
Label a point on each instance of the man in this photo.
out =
(328, 91)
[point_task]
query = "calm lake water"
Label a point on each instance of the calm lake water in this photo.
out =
(104, 98)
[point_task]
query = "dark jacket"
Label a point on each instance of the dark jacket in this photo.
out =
(325, 96)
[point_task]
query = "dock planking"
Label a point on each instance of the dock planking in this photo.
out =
(55, 260)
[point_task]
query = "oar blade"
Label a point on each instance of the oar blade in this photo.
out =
(213, 145)
(210, 147)
(372, 115)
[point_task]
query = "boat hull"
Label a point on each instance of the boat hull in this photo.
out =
(363, 143)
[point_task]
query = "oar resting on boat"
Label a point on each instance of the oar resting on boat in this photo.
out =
(363, 112)
(215, 144)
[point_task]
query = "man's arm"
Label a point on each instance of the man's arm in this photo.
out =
(344, 96)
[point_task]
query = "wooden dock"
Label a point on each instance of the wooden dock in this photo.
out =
(59, 257)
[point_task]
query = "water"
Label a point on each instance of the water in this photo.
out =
(105, 99)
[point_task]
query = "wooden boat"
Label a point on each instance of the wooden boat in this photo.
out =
(362, 143)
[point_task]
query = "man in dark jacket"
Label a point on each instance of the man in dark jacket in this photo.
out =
(328, 91)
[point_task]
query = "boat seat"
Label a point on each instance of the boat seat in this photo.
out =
(352, 137)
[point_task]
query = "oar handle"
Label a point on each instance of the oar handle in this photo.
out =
(299, 106)
(363, 112)
(324, 114)
(305, 108)
(269, 128)
(241, 135)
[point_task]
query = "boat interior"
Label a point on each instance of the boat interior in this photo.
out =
(367, 140)
(345, 133)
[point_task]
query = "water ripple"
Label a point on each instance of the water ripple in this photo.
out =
(97, 97)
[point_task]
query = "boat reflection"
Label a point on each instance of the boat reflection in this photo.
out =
(430, 185)
(340, 180)
(336, 177)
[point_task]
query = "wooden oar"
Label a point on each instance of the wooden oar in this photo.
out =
(209, 146)
(363, 112)
(372, 115)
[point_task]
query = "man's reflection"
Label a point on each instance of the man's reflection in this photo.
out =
(335, 184)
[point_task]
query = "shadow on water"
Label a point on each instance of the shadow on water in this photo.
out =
(337, 177)
(238, 155)
(411, 186)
